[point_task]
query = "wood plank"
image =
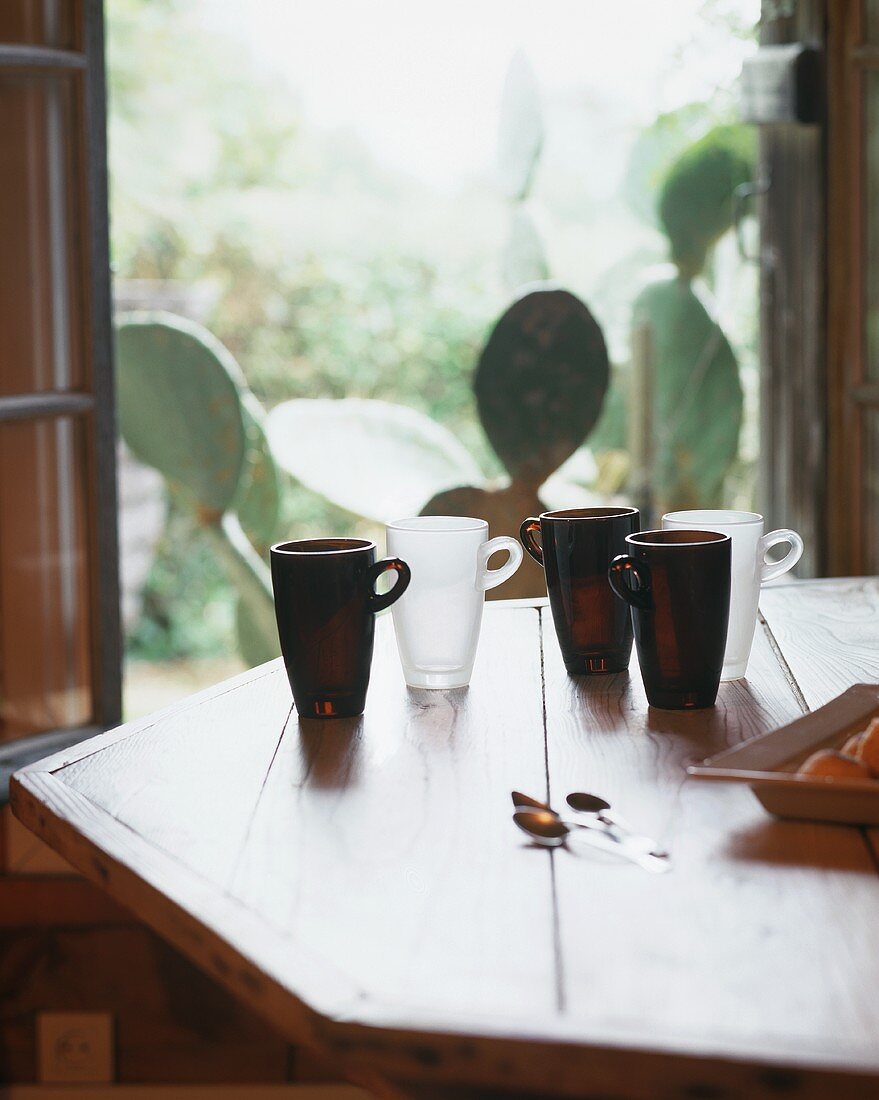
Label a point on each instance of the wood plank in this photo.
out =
(726, 952)
(189, 784)
(171, 1022)
(306, 995)
(828, 632)
(247, 1091)
(27, 902)
(383, 843)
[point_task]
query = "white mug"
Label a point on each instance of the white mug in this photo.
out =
(437, 625)
(749, 570)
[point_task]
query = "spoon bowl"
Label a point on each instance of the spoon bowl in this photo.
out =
(548, 830)
(543, 828)
(587, 803)
(526, 802)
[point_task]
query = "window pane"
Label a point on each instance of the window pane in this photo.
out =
(871, 21)
(871, 489)
(351, 224)
(872, 218)
(45, 663)
(39, 269)
(39, 23)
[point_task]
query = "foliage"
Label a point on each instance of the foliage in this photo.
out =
(656, 149)
(697, 408)
(206, 195)
(696, 198)
(238, 194)
(182, 405)
(696, 390)
(380, 460)
(179, 407)
(541, 382)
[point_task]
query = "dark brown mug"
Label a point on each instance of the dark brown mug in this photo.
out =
(678, 585)
(325, 605)
(575, 548)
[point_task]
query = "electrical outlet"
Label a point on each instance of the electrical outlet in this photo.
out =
(75, 1047)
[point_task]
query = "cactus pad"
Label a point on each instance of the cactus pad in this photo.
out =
(696, 200)
(697, 399)
(180, 408)
(259, 496)
(540, 382)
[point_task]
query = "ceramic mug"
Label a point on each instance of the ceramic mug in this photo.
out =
(574, 548)
(325, 605)
(749, 570)
(438, 624)
(677, 584)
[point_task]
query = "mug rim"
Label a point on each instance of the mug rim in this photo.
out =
(643, 538)
(419, 525)
(748, 517)
(569, 514)
(310, 547)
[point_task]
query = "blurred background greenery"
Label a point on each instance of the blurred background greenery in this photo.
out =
(335, 256)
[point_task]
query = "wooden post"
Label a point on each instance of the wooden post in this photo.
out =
(641, 436)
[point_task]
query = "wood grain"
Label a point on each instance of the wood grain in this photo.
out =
(184, 787)
(383, 843)
(727, 950)
(172, 1024)
(828, 632)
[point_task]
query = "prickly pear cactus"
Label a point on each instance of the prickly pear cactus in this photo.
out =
(540, 382)
(185, 410)
(696, 199)
(697, 401)
(179, 407)
(520, 143)
(696, 391)
(540, 385)
(258, 501)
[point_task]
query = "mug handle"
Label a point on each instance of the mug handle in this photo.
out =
(772, 569)
(622, 571)
(378, 601)
(490, 578)
(530, 527)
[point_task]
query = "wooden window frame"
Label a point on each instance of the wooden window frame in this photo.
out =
(93, 404)
(850, 393)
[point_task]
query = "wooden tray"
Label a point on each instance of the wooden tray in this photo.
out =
(769, 764)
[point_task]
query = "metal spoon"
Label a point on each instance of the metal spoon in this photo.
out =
(550, 832)
(526, 802)
(614, 825)
(593, 804)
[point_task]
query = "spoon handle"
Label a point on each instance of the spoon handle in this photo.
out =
(614, 819)
(622, 836)
(598, 839)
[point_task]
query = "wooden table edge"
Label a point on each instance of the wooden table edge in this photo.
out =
(371, 1050)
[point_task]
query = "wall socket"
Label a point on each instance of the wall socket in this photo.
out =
(75, 1047)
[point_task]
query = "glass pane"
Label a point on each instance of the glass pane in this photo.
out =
(871, 21)
(42, 286)
(363, 247)
(39, 23)
(872, 217)
(871, 489)
(45, 662)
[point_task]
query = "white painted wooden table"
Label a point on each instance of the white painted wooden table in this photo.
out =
(361, 882)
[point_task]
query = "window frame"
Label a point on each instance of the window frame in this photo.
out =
(92, 405)
(851, 393)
